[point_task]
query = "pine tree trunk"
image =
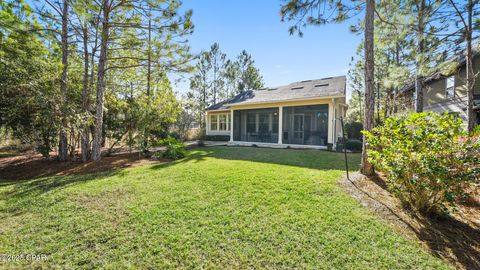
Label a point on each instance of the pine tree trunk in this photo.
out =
(98, 138)
(85, 140)
(419, 64)
(62, 140)
(470, 74)
(367, 167)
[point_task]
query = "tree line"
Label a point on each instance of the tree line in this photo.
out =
(77, 72)
(217, 78)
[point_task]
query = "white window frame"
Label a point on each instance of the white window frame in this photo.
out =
(450, 87)
(215, 119)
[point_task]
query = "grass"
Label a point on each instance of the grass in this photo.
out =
(220, 207)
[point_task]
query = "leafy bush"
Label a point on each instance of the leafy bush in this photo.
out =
(225, 138)
(354, 130)
(426, 161)
(175, 148)
(354, 145)
(476, 130)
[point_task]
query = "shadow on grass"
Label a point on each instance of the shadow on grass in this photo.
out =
(304, 158)
(26, 195)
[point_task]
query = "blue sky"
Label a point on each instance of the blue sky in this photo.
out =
(254, 25)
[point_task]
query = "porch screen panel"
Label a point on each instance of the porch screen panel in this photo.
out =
(305, 125)
(258, 125)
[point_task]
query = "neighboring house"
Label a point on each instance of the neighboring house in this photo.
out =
(447, 92)
(302, 114)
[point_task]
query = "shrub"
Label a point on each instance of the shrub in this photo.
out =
(354, 145)
(354, 130)
(476, 130)
(222, 138)
(426, 161)
(175, 148)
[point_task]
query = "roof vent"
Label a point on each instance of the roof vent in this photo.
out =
(297, 87)
(321, 85)
(327, 78)
(270, 89)
(306, 81)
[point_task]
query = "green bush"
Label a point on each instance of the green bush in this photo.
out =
(353, 130)
(354, 145)
(175, 148)
(222, 138)
(476, 130)
(426, 160)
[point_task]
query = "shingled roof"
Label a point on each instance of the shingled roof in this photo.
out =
(320, 88)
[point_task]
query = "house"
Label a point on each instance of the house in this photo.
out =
(447, 92)
(301, 114)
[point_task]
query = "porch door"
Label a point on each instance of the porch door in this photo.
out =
(298, 128)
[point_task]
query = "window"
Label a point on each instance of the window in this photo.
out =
(222, 122)
(213, 122)
(450, 87)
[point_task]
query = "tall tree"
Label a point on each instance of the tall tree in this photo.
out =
(63, 143)
(465, 15)
(107, 7)
(427, 24)
(232, 78)
(217, 60)
(250, 78)
(123, 37)
(320, 12)
(367, 167)
(199, 87)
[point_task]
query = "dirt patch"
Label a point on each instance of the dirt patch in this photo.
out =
(33, 165)
(455, 238)
(109, 204)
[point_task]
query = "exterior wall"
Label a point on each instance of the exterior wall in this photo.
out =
(435, 98)
(435, 95)
(336, 108)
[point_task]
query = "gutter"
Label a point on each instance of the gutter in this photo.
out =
(285, 100)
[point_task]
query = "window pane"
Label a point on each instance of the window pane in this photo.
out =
(213, 122)
(222, 122)
(450, 86)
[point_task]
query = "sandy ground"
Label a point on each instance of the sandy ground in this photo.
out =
(455, 238)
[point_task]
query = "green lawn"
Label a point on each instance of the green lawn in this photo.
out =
(221, 207)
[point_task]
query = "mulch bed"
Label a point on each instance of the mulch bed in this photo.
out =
(455, 238)
(32, 165)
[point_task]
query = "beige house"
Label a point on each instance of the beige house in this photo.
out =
(448, 92)
(301, 114)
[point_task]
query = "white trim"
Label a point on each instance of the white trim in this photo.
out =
(218, 131)
(280, 125)
(231, 125)
(220, 110)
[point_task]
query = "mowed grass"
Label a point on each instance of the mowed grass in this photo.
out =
(219, 208)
